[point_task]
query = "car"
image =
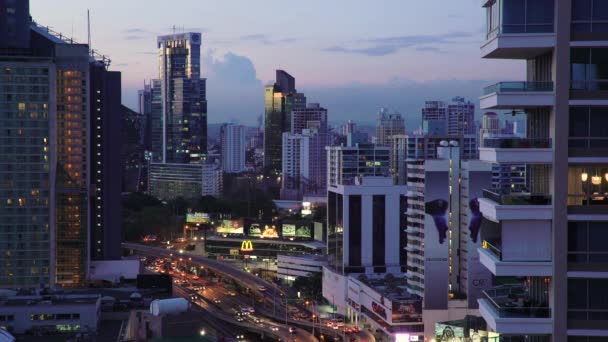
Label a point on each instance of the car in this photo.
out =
(240, 337)
(195, 277)
(217, 301)
(356, 329)
(256, 320)
(292, 330)
(262, 289)
(330, 323)
(335, 327)
(347, 330)
(232, 294)
(274, 328)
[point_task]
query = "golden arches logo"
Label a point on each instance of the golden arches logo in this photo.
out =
(246, 246)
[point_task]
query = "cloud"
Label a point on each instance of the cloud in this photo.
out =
(389, 45)
(265, 39)
(234, 91)
(430, 49)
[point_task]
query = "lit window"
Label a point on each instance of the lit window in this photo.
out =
(21, 106)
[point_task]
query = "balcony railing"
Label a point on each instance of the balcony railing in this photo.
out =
(513, 301)
(492, 249)
(517, 198)
(518, 87)
(516, 143)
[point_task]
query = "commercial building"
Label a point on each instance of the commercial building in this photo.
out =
(281, 98)
(289, 267)
(387, 125)
(190, 181)
(106, 174)
(345, 163)
(51, 315)
(135, 166)
(545, 246)
(232, 141)
(183, 96)
(443, 223)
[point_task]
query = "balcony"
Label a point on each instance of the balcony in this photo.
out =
(515, 206)
(516, 151)
(520, 30)
(509, 309)
(509, 95)
(516, 260)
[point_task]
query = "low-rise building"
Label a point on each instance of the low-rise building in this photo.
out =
(50, 315)
(289, 267)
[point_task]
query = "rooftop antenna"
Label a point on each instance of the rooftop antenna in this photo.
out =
(89, 30)
(173, 29)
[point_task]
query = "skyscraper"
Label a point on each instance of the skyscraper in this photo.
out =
(15, 24)
(46, 187)
(183, 98)
(106, 174)
(461, 117)
(551, 237)
(490, 126)
(387, 125)
(280, 99)
(232, 141)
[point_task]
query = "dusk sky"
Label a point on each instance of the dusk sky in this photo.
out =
(352, 56)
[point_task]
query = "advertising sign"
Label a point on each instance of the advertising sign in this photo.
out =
(436, 241)
(479, 278)
(246, 246)
(407, 311)
(270, 231)
(379, 310)
(197, 218)
(255, 230)
(447, 332)
(289, 230)
(231, 227)
(303, 231)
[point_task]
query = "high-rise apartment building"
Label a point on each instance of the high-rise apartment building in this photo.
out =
(545, 246)
(304, 159)
(281, 98)
(50, 137)
(443, 223)
(425, 146)
(461, 117)
(434, 118)
(387, 125)
(398, 158)
(345, 163)
(232, 141)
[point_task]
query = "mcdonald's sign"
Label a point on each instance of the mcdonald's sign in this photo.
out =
(246, 246)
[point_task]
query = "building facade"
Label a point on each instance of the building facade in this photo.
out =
(548, 238)
(281, 98)
(387, 125)
(106, 174)
(345, 163)
(232, 141)
(461, 117)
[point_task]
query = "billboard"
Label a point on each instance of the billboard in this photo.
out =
(303, 231)
(479, 278)
(270, 231)
(289, 230)
(197, 218)
(254, 230)
(448, 332)
(405, 311)
(231, 227)
(436, 240)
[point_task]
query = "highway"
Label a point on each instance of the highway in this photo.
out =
(274, 309)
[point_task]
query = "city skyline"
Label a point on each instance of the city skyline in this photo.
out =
(399, 58)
